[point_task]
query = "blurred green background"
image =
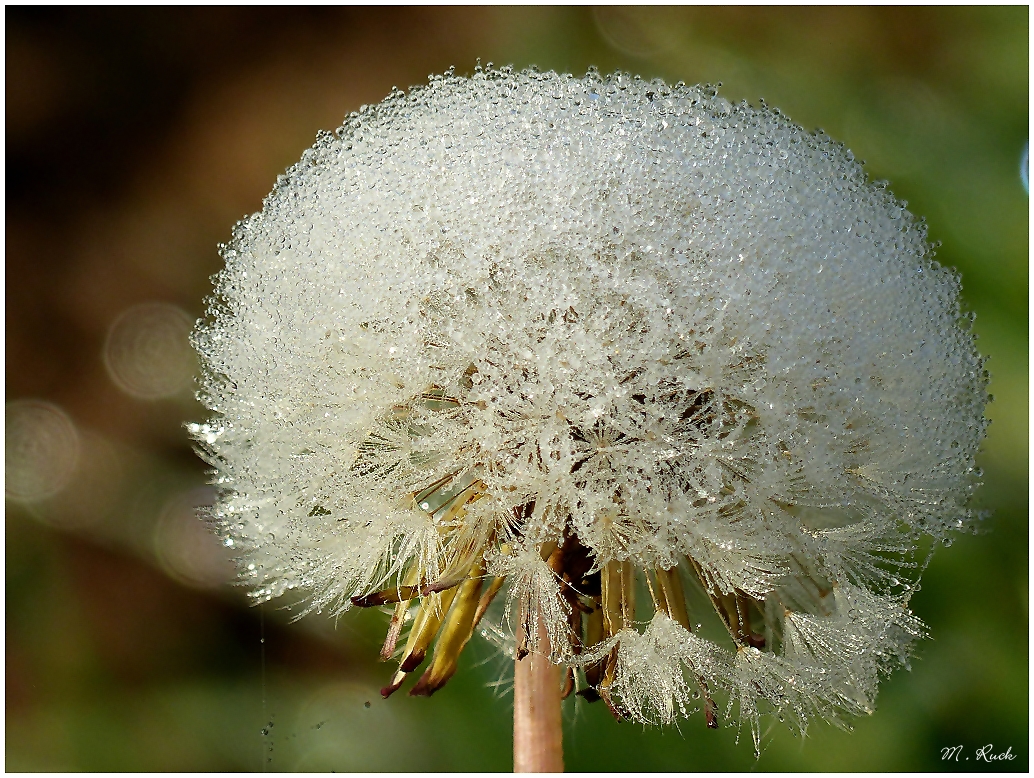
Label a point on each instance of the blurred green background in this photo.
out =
(135, 139)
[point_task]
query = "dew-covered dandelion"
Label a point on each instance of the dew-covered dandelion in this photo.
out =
(620, 356)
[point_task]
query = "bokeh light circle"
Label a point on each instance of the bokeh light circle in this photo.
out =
(147, 351)
(41, 450)
(187, 549)
(634, 30)
(1025, 167)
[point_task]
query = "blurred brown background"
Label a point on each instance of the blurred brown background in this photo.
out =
(135, 139)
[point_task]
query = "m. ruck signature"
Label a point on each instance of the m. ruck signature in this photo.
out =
(982, 754)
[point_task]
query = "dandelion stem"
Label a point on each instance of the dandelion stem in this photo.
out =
(537, 733)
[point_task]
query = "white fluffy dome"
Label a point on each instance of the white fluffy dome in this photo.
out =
(585, 336)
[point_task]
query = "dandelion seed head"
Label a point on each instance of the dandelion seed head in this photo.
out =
(531, 327)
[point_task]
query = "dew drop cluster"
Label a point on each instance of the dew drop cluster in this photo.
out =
(616, 352)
